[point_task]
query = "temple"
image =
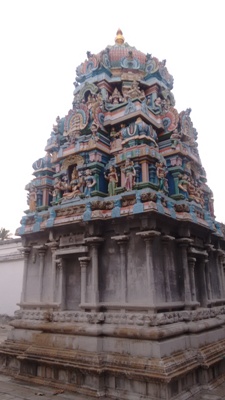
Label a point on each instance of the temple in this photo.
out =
(123, 288)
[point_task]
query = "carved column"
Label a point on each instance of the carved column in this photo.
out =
(94, 242)
(53, 246)
(184, 243)
(145, 172)
(219, 274)
(83, 264)
(137, 168)
(166, 239)
(61, 292)
(122, 242)
(25, 251)
(210, 249)
(208, 282)
(152, 173)
(41, 252)
(221, 271)
(122, 177)
(148, 237)
(204, 295)
(191, 264)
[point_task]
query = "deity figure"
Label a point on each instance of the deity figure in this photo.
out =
(57, 192)
(90, 183)
(74, 174)
(161, 175)
(116, 97)
(175, 139)
(72, 189)
(130, 107)
(130, 174)
(112, 178)
(211, 207)
(200, 196)
(135, 91)
(74, 193)
(157, 104)
(123, 131)
(81, 181)
(183, 184)
(32, 199)
(115, 139)
(113, 134)
(191, 189)
(94, 136)
(65, 185)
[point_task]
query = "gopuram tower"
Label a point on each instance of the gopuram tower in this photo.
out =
(123, 290)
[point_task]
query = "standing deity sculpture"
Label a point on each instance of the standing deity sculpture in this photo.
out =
(161, 175)
(112, 178)
(130, 174)
(32, 199)
(57, 192)
(183, 185)
(90, 183)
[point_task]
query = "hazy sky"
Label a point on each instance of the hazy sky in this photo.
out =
(42, 43)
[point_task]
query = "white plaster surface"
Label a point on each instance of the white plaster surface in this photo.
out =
(11, 275)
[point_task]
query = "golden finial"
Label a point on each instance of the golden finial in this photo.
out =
(119, 37)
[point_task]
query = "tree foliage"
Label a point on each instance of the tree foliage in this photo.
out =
(4, 234)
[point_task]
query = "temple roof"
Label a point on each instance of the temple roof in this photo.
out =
(121, 57)
(122, 149)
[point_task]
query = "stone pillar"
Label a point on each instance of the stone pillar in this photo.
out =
(122, 242)
(208, 282)
(53, 246)
(152, 173)
(184, 243)
(202, 266)
(144, 171)
(191, 264)
(41, 252)
(210, 249)
(83, 264)
(25, 251)
(61, 294)
(122, 177)
(219, 274)
(46, 193)
(221, 271)
(166, 239)
(148, 237)
(94, 242)
(137, 168)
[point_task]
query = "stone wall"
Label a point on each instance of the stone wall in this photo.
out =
(11, 275)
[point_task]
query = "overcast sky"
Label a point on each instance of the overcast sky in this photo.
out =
(42, 43)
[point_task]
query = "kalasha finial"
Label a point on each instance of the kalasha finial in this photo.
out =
(119, 37)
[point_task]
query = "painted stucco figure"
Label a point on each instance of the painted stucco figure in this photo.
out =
(90, 183)
(130, 174)
(112, 178)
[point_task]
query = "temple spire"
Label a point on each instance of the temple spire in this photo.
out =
(119, 37)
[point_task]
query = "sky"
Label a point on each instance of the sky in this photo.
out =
(42, 42)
